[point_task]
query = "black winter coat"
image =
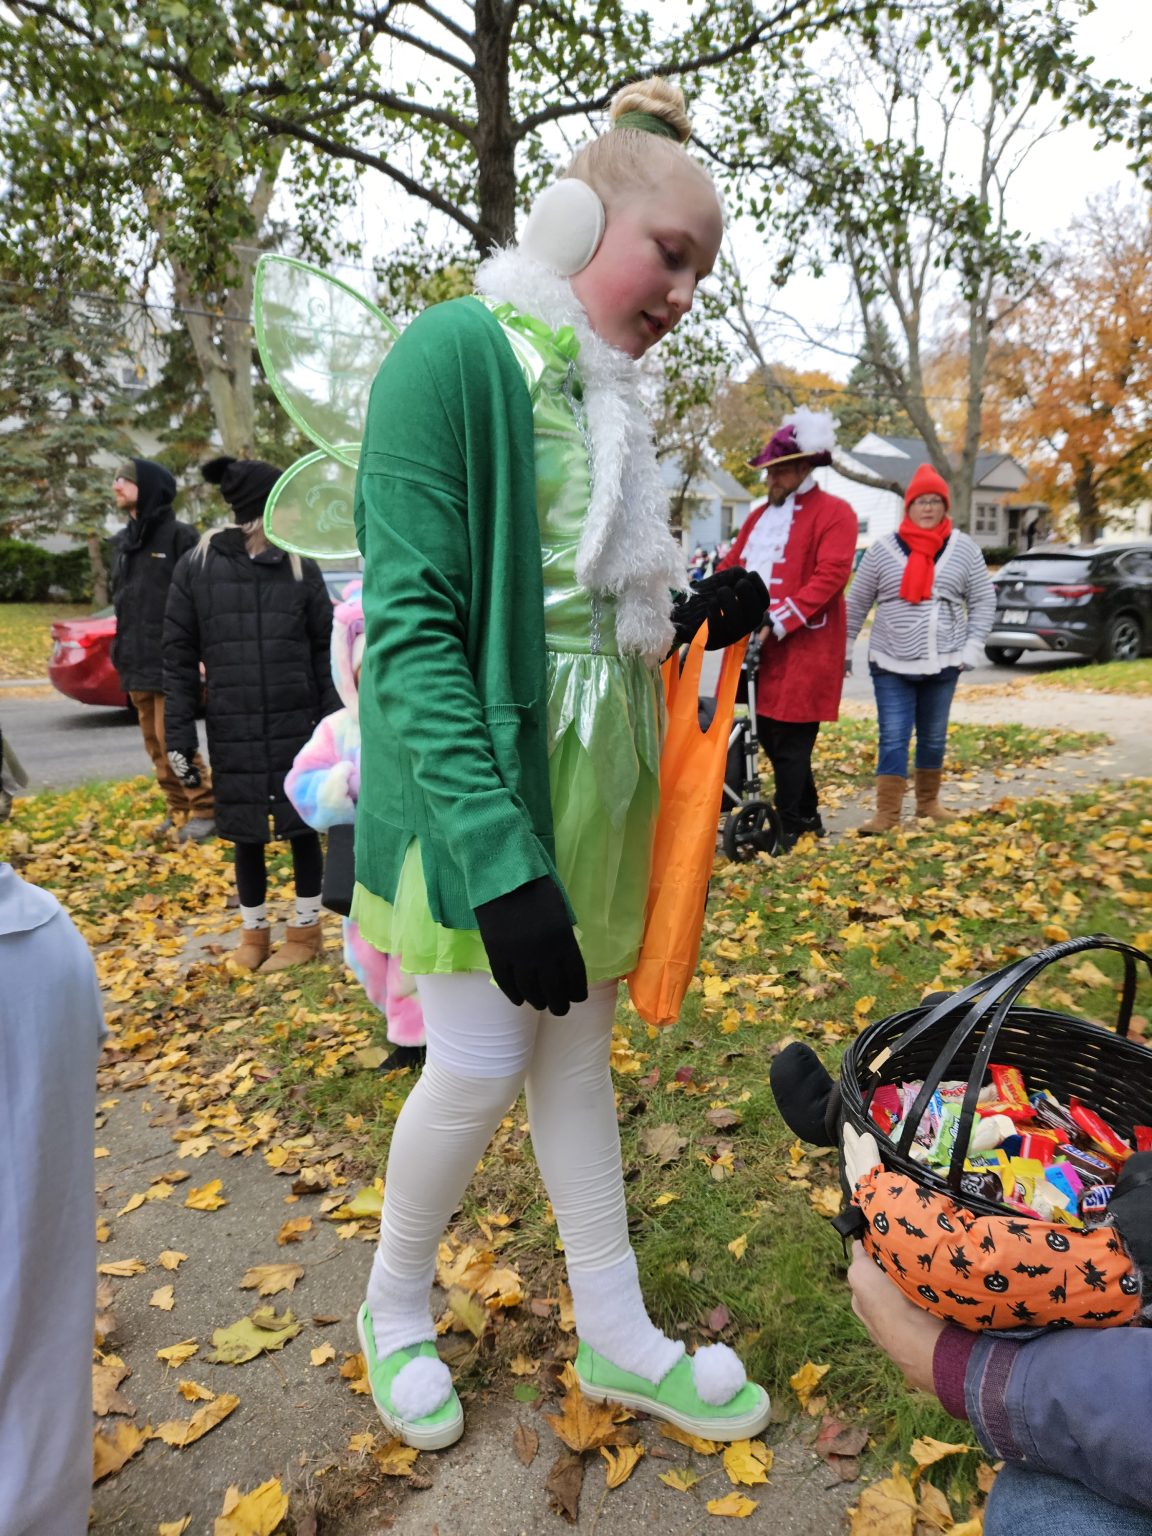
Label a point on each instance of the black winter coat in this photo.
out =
(144, 556)
(264, 639)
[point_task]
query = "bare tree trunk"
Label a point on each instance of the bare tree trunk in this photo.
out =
(1089, 522)
(99, 570)
(495, 133)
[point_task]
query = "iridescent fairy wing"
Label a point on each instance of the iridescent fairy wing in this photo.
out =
(310, 508)
(321, 345)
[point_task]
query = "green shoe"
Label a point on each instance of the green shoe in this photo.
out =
(435, 1430)
(675, 1398)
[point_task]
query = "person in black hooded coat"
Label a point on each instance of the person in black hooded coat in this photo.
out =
(144, 556)
(260, 621)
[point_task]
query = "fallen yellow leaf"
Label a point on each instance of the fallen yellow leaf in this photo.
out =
(925, 1452)
(176, 1354)
(805, 1381)
(193, 1392)
(170, 1259)
(107, 1374)
(103, 1230)
(738, 1246)
(294, 1229)
(110, 1452)
(582, 1425)
(694, 1442)
(252, 1336)
(734, 1505)
(270, 1279)
(174, 1527)
(524, 1365)
(665, 1199)
(395, 1459)
(207, 1197)
(358, 1444)
(122, 1268)
(680, 1478)
(163, 1297)
(826, 1200)
(621, 1463)
(182, 1432)
(252, 1514)
(355, 1373)
(747, 1462)
(323, 1353)
(887, 1508)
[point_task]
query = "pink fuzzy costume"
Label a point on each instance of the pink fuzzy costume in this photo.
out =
(323, 785)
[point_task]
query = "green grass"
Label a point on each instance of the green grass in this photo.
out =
(806, 947)
(1131, 677)
(25, 635)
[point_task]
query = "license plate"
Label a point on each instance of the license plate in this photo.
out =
(1014, 616)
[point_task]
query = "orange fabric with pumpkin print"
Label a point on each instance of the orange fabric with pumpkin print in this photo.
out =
(994, 1271)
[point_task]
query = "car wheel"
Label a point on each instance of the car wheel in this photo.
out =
(1123, 639)
(1002, 656)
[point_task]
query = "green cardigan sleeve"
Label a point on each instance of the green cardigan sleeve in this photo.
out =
(453, 606)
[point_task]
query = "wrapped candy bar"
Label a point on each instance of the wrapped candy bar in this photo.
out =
(1099, 1132)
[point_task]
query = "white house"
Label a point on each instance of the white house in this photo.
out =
(714, 506)
(993, 522)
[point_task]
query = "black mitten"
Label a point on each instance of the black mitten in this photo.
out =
(531, 947)
(806, 1095)
(733, 602)
(1130, 1208)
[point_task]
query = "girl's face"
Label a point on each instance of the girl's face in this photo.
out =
(657, 246)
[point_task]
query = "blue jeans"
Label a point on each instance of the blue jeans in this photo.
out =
(1023, 1502)
(905, 702)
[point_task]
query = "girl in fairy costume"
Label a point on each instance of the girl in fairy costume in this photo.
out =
(517, 601)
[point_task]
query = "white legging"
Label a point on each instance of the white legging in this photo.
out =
(482, 1050)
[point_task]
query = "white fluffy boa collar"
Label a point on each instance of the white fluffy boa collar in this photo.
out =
(626, 549)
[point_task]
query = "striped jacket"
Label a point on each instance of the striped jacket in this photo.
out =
(946, 630)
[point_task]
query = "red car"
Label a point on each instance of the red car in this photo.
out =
(80, 665)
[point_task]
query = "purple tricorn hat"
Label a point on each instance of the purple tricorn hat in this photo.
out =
(804, 435)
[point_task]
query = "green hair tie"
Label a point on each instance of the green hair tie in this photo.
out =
(647, 122)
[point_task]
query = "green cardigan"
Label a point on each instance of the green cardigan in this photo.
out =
(453, 711)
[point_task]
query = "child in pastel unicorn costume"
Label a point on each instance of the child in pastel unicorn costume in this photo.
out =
(324, 785)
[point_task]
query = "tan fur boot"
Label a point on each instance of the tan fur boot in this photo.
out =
(252, 950)
(890, 789)
(299, 946)
(928, 795)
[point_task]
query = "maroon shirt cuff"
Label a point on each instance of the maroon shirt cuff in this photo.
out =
(949, 1367)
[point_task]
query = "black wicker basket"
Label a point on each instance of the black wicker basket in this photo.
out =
(957, 1038)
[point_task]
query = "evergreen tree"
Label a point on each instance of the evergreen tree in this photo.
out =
(64, 415)
(871, 404)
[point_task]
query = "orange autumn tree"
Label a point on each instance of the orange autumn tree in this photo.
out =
(1072, 375)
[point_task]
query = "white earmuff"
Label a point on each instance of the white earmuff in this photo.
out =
(564, 227)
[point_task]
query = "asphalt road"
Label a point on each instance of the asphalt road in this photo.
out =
(62, 743)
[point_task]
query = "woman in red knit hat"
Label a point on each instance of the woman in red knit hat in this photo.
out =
(934, 605)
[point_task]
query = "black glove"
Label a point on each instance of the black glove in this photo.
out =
(733, 602)
(184, 769)
(806, 1094)
(531, 947)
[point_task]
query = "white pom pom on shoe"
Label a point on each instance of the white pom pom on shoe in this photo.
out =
(420, 1387)
(717, 1374)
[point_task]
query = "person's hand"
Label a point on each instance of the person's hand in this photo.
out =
(733, 603)
(906, 1334)
(184, 768)
(532, 948)
(765, 634)
(353, 782)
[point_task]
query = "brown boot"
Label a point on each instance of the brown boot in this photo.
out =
(890, 789)
(252, 950)
(300, 945)
(928, 795)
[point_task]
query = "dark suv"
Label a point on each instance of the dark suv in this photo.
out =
(1092, 601)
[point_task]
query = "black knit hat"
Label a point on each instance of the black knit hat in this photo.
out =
(245, 484)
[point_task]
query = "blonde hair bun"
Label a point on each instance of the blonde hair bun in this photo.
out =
(659, 98)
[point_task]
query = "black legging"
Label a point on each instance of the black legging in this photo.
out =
(252, 872)
(788, 745)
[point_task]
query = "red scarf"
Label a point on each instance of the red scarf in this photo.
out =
(924, 544)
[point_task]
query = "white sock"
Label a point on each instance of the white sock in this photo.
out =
(611, 1318)
(400, 1309)
(307, 911)
(255, 917)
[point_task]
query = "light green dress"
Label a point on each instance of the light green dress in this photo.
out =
(604, 717)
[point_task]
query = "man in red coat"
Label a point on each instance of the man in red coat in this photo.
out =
(801, 541)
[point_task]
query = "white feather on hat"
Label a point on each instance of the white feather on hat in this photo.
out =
(814, 431)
